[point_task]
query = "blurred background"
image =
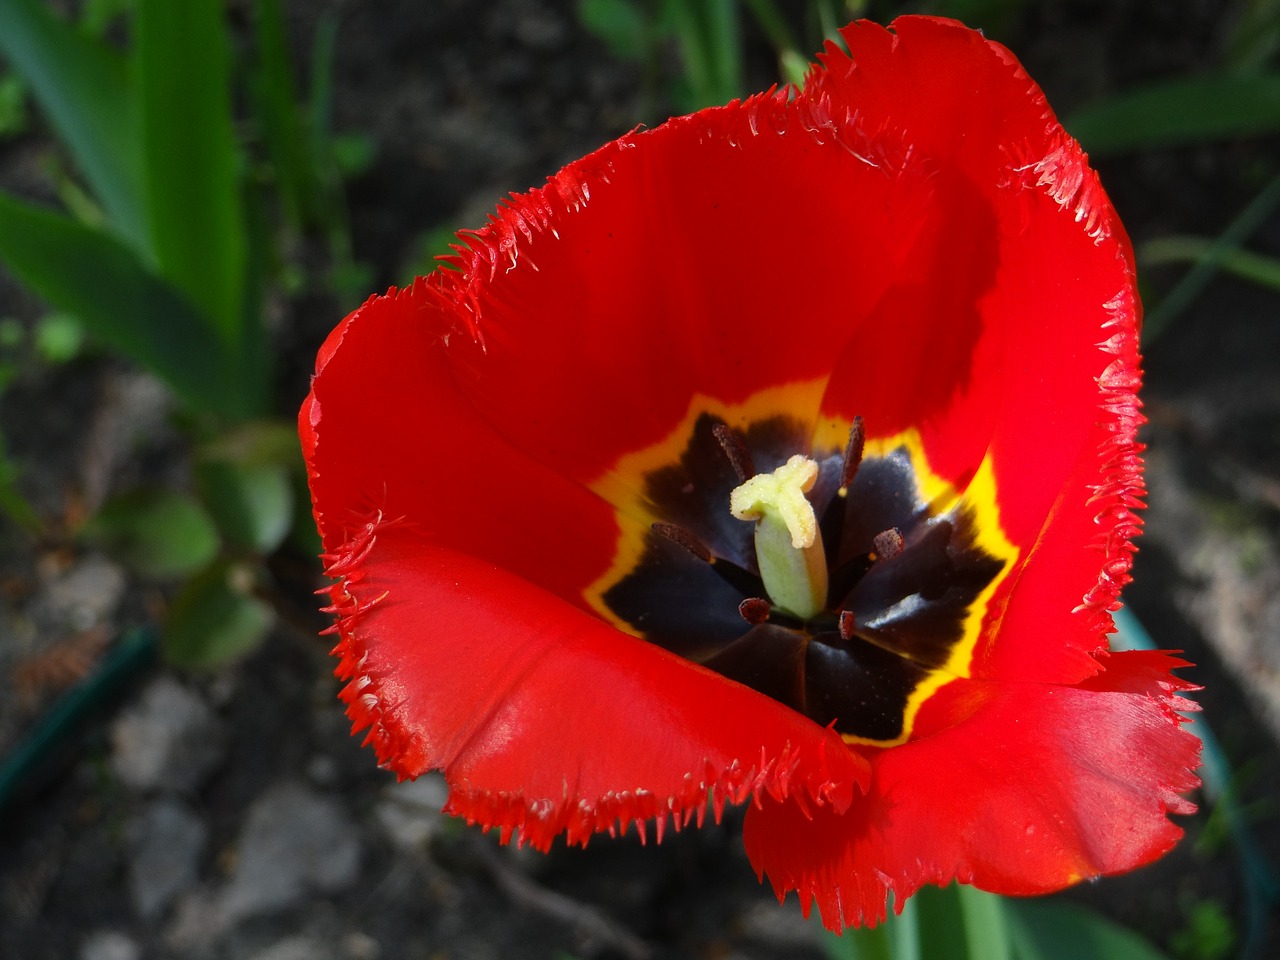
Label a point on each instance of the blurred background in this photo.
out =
(193, 194)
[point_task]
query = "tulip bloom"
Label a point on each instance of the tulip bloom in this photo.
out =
(784, 455)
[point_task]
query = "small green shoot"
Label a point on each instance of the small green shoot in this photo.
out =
(1209, 934)
(217, 617)
(160, 534)
(13, 106)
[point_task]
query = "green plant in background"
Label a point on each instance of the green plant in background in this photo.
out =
(1208, 935)
(707, 34)
(1239, 98)
(963, 923)
(167, 248)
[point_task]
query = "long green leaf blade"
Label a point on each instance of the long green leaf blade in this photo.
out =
(91, 274)
(280, 119)
(194, 204)
(986, 924)
(1186, 110)
(1058, 930)
(84, 90)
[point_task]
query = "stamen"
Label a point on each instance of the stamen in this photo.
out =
(737, 452)
(846, 625)
(852, 453)
(755, 610)
(887, 543)
(681, 536)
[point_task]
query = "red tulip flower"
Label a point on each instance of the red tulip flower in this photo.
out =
(781, 455)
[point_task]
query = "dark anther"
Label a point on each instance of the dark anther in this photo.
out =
(737, 452)
(887, 543)
(684, 538)
(852, 453)
(755, 610)
(846, 624)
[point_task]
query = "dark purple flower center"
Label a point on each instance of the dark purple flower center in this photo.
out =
(903, 576)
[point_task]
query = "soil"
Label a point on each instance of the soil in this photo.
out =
(228, 814)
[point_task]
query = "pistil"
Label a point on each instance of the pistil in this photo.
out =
(788, 542)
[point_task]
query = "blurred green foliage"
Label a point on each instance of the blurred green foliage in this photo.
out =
(962, 923)
(1209, 934)
(173, 228)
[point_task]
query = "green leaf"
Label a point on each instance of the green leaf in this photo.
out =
(1210, 933)
(1181, 111)
(1245, 224)
(621, 24)
(353, 153)
(986, 924)
(159, 533)
(960, 922)
(281, 121)
(182, 58)
(252, 505)
(13, 106)
(710, 48)
(246, 480)
(98, 16)
(58, 338)
(952, 923)
(216, 618)
(1060, 930)
(83, 88)
(897, 938)
(992, 17)
(1245, 264)
(875, 943)
(93, 276)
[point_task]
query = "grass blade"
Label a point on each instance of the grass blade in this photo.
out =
(1185, 110)
(83, 88)
(280, 120)
(1256, 267)
(1246, 223)
(194, 207)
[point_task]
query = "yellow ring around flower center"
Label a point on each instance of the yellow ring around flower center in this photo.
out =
(624, 486)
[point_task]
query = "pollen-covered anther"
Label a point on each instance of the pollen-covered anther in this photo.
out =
(887, 543)
(679, 535)
(845, 624)
(755, 610)
(853, 453)
(736, 451)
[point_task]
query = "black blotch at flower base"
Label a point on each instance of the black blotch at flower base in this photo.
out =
(903, 580)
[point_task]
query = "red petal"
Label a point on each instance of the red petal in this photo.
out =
(387, 434)
(544, 719)
(718, 255)
(994, 345)
(1041, 787)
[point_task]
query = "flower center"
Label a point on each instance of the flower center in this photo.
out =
(849, 584)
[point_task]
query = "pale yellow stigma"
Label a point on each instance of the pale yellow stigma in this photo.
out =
(783, 492)
(788, 544)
